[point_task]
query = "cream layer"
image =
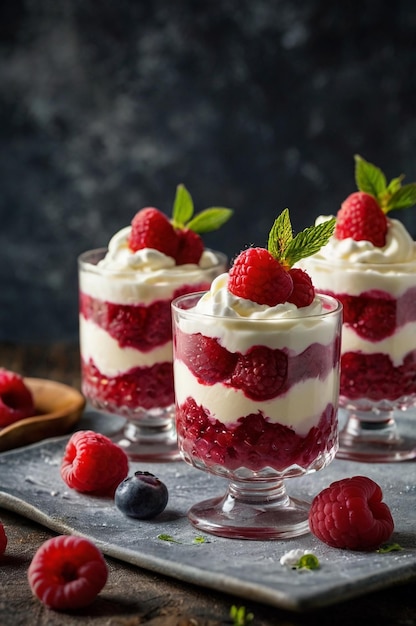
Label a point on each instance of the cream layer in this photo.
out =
(397, 346)
(300, 408)
(339, 277)
(109, 357)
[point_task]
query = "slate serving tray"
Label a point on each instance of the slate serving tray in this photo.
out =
(30, 485)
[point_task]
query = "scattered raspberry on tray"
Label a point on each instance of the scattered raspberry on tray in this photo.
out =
(3, 539)
(350, 514)
(67, 572)
(16, 399)
(92, 463)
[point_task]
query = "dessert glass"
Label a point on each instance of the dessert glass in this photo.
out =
(228, 425)
(378, 353)
(126, 346)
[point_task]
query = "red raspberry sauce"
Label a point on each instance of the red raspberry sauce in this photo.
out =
(252, 442)
(374, 316)
(145, 387)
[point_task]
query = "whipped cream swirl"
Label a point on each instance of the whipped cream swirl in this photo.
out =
(219, 301)
(399, 247)
(121, 258)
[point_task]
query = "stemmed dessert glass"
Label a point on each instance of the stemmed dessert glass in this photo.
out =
(256, 403)
(126, 348)
(378, 356)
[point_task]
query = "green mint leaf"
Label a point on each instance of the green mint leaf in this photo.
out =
(403, 198)
(369, 178)
(308, 561)
(183, 207)
(209, 219)
(389, 547)
(280, 236)
(239, 616)
(394, 185)
(168, 538)
(309, 241)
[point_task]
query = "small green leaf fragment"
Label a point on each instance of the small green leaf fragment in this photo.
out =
(280, 236)
(240, 616)
(389, 547)
(164, 537)
(200, 539)
(403, 198)
(369, 178)
(209, 219)
(309, 241)
(183, 207)
(308, 561)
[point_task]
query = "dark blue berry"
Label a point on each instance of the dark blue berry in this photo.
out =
(142, 496)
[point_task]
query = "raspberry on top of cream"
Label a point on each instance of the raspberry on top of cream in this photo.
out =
(121, 258)
(363, 232)
(399, 247)
(221, 302)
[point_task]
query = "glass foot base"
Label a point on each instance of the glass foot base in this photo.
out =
(250, 516)
(152, 437)
(374, 442)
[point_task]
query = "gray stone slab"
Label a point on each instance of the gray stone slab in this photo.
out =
(30, 485)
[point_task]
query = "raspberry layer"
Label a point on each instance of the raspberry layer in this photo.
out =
(140, 387)
(378, 346)
(252, 442)
(126, 352)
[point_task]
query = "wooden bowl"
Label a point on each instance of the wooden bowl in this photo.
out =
(58, 409)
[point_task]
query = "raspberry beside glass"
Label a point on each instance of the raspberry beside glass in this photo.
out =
(256, 403)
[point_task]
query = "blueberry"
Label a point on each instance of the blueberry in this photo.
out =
(142, 496)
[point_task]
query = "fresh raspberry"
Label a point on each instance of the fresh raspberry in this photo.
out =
(361, 218)
(67, 572)
(350, 514)
(92, 463)
(3, 539)
(303, 290)
(260, 373)
(256, 275)
(205, 357)
(190, 247)
(16, 399)
(150, 228)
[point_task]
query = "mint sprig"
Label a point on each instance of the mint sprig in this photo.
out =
(289, 249)
(390, 195)
(206, 221)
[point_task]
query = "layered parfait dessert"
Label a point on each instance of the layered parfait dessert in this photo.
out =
(369, 264)
(125, 296)
(256, 364)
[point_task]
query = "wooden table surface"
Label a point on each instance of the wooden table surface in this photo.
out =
(133, 596)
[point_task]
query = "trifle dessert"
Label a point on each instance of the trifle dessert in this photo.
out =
(125, 318)
(369, 264)
(256, 368)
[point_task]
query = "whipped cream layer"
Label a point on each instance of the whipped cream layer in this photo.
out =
(397, 346)
(300, 408)
(98, 346)
(126, 277)
(354, 267)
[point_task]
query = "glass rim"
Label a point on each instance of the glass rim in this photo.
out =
(335, 309)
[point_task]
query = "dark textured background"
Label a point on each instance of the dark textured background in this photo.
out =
(254, 104)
